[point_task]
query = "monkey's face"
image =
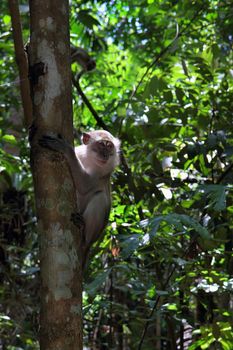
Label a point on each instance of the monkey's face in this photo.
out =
(104, 150)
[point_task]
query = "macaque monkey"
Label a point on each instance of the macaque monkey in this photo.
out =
(91, 165)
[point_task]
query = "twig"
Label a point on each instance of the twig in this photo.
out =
(87, 102)
(155, 60)
(153, 309)
(162, 53)
(225, 173)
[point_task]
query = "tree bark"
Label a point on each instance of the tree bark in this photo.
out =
(50, 75)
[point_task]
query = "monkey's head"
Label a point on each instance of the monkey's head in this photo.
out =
(103, 148)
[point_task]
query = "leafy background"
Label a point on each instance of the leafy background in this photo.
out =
(162, 276)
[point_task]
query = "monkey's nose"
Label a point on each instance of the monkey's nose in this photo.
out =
(105, 155)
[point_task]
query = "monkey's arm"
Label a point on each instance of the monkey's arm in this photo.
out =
(83, 58)
(82, 180)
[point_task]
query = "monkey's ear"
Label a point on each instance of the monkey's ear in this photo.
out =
(85, 138)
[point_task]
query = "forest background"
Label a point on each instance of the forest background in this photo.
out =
(162, 276)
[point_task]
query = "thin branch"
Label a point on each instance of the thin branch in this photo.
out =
(155, 60)
(87, 102)
(154, 308)
(21, 60)
(164, 51)
(225, 173)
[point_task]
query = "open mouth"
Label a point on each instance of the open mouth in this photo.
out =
(103, 161)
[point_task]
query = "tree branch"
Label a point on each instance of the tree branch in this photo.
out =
(87, 102)
(21, 60)
(163, 52)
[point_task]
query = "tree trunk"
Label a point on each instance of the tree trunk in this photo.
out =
(50, 75)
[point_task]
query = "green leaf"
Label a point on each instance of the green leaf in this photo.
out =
(216, 195)
(10, 139)
(154, 224)
(171, 307)
(86, 19)
(226, 344)
(180, 221)
(6, 19)
(97, 282)
(130, 244)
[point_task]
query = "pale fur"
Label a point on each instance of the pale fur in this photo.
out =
(91, 175)
(89, 160)
(94, 201)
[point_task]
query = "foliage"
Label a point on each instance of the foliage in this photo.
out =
(162, 276)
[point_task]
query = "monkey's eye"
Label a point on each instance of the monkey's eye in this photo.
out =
(106, 144)
(109, 144)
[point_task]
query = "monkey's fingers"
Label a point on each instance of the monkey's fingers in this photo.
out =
(78, 220)
(51, 142)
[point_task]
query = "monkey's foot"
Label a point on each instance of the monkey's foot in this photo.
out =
(78, 220)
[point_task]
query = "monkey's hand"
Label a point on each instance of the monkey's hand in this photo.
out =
(78, 221)
(54, 143)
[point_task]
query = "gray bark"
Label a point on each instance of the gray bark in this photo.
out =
(50, 76)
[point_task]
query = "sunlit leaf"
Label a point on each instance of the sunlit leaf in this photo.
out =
(216, 195)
